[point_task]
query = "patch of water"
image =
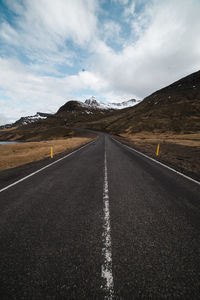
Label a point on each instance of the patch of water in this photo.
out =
(8, 142)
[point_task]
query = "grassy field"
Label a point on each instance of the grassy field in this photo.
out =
(13, 155)
(181, 151)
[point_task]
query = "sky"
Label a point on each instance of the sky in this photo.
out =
(55, 51)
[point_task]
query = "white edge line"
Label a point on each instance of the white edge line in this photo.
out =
(158, 162)
(22, 179)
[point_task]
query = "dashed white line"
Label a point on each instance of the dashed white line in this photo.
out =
(22, 179)
(106, 271)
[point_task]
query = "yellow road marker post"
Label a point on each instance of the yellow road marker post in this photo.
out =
(51, 152)
(157, 151)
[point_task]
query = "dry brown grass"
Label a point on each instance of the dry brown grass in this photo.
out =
(13, 155)
(192, 139)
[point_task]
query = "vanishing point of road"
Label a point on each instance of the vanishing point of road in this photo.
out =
(104, 222)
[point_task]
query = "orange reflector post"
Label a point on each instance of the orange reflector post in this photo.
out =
(51, 152)
(158, 148)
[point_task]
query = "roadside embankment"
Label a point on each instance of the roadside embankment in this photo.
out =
(13, 155)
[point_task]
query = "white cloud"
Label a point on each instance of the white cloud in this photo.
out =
(111, 31)
(65, 19)
(4, 119)
(166, 50)
(43, 28)
(30, 92)
(124, 2)
(129, 10)
(8, 33)
(163, 46)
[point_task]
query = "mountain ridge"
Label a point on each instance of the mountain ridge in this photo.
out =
(93, 103)
(27, 120)
(71, 105)
(175, 107)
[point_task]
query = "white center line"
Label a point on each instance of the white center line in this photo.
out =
(106, 271)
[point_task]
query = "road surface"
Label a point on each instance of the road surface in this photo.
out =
(102, 223)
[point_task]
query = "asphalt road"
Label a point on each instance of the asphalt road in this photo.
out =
(103, 223)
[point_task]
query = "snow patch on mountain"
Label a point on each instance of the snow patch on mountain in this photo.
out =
(31, 119)
(92, 102)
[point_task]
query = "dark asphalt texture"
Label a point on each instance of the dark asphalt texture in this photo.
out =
(51, 227)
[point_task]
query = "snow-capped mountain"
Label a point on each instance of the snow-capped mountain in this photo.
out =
(6, 126)
(27, 120)
(90, 106)
(31, 119)
(92, 102)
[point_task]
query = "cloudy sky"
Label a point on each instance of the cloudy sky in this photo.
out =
(53, 51)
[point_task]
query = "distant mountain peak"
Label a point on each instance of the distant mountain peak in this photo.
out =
(27, 120)
(92, 102)
(92, 105)
(70, 106)
(31, 119)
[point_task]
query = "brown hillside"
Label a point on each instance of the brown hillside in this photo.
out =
(174, 108)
